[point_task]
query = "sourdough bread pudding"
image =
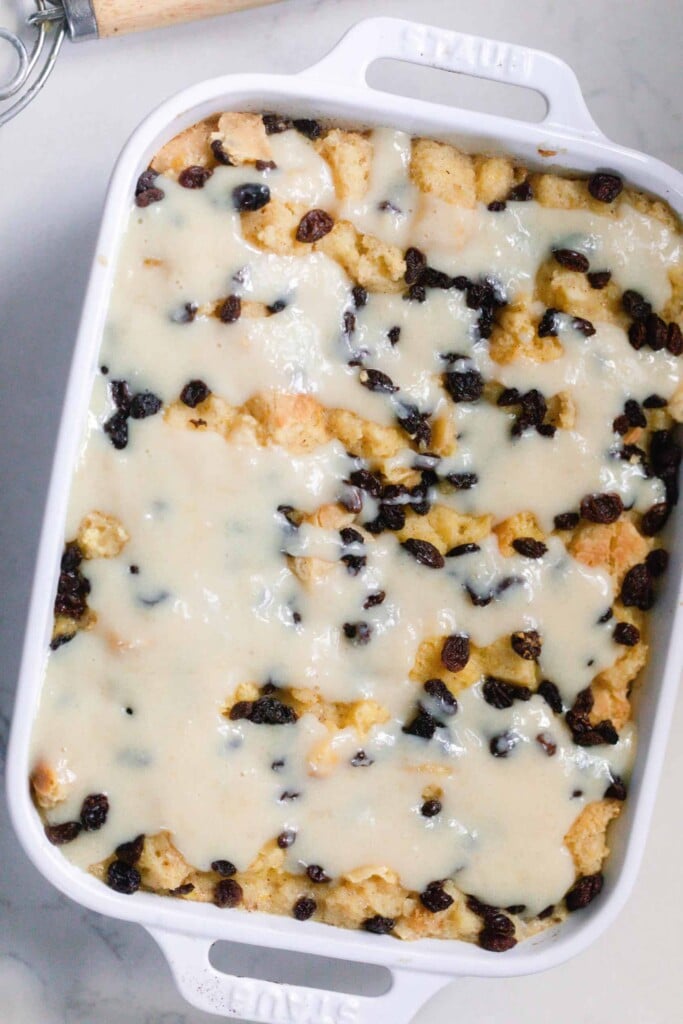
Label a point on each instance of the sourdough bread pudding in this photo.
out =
(363, 533)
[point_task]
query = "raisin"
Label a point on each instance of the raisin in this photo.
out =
(546, 912)
(634, 414)
(313, 226)
(393, 334)
(424, 553)
(584, 891)
(501, 745)
(463, 481)
(605, 187)
(655, 518)
(534, 409)
(439, 692)
(430, 808)
(455, 652)
(182, 890)
(304, 908)
(626, 634)
(637, 334)
(317, 874)
(571, 259)
(194, 392)
(548, 745)
(361, 760)
(415, 264)
(230, 310)
(516, 908)
(123, 877)
(417, 293)
(274, 123)
(194, 177)
(225, 868)
(184, 314)
(423, 725)
(547, 325)
(359, 633)
(527, 644)
(665, 455)
(636, 589)
(521, 193)
(146, 180)
(495, 942)
(94, 811)
(599, 279)
(131, 851)
(251, 196)
(566, 520)
(633, 303)
(276, 307)
(657, 561)
(220, 154)
(58, 835)
(601, 508)
(228, 893)
(435, 898)
(72, 557)
(308, 127)
(461, 283)
(432, 278)
(529, 547)
(372, 600)
(58, 641)
(286, 839)
(466, 386)
(583, 326)
(616, 789)
(270, 711)
(278, 765)
(462, 549)
(656, 332)
(351, 536)
(501, 694)
(375, 380)
(379, 925)
(116, 428)
(149, 196)
(360, 296)
(144, 404)
(121, 395)
(497, 205)
(674, 339)
(265, 165)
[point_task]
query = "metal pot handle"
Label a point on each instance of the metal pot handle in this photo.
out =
(265, 1002)
(376, 38)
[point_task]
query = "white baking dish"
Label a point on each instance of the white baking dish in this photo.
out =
(336, 88)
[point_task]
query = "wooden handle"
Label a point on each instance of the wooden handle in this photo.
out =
(116, 17)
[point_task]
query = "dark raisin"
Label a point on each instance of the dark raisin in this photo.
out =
(416, 293)
(359, 633)
(516, 908)
(637, 334)
(566, 520)
(184, 314)
(304, 908)
(435, 898)
(265, 165)
(317, 874)
(544, 741)
(657, 561)
(455, 652)
(430, 808)
(656, 332)
(182, 890)
(351, 536)
(149, 196)
(415, 264)
(635, 304)
(375, 380)
(276, 307)
(278, 765)
(606, 616)
(308, 127)
(439, 692)
(194, 177)
(495, 942)
(461, 283)
(605, 187)
(432, 278)
(251, 196)
(546, 912)
(313, 226)
(360, 296)
(116, 428)
(224, 868)
(144, 404)
(674, 339)
(621, 425)
(270, 711)
(72, 557)
(634, 414)
(424, 553)
(636, 589)
(475, 295)
(584, 891)
(616, 789)
(500, 746)
(58, 835)
(131, 851)
(521, 193)
(463, 481)
(194, 392)
(94, 811)
(655, 518)
(547, 325)
(379, 925)
(274, 123)
(62, 638)
(529, 547)
(501, 694)
(546, 430)
(496, 205)
(146, 180)
(599, 279)
(361, 760)
(372, 600)
(121, 395)
(583, 326)
(478, 600)
(601, 508)
(123, 877)
(228, 893)
(527, 644)
(286, 839)
(393, 334)
(665, 455)
(386, 206)
(230, 310)
(220, 154)
(423, 725)
(571, 259)
(462, 549)
(466, 386)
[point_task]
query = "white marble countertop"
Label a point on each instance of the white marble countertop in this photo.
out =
(60, 964)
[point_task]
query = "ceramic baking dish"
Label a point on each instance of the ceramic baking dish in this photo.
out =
(336, 88)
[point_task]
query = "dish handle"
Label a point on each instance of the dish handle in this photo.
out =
(266, 1002)
(395, 38)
